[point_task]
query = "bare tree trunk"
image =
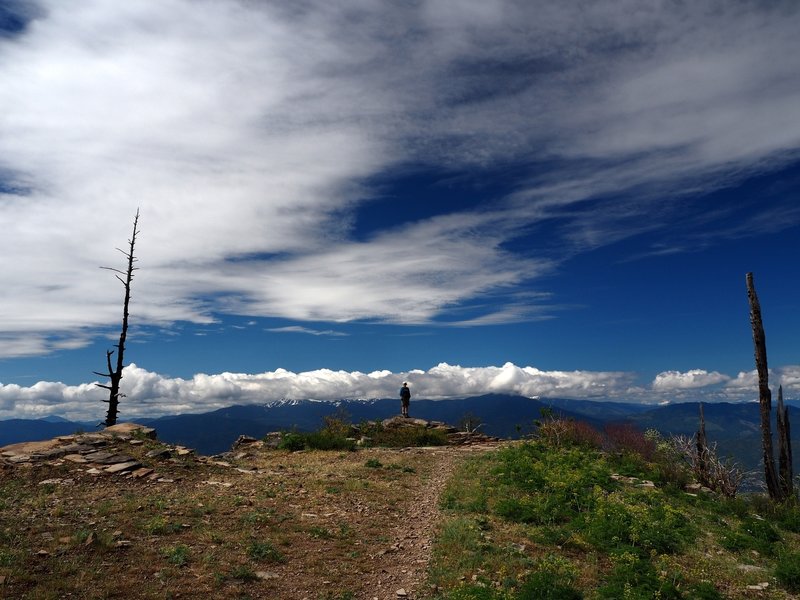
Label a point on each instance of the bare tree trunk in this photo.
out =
(115, 374)
(764, 394)
(701, 447)
(785, 469)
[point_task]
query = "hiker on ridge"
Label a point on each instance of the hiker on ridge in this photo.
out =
(405, 399)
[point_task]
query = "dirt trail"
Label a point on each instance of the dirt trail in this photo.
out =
(404, 566)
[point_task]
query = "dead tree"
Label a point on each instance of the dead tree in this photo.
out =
(785, 469)
(764, 394)
(114, 374)
(701, 449)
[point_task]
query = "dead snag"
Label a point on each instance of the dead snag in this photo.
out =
(114, 374)
(785, 468)
(701, 448)
(764, 394)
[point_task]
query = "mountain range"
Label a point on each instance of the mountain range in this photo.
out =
(735, 428)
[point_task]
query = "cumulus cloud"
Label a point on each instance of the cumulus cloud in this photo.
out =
(696, 378)
(152, 394)
(247, 133)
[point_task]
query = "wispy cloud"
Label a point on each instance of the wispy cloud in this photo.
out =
(245, 132)
(308, 330)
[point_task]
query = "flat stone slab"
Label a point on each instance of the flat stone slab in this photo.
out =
(130, 429)
(98, 456)
(125, 466)
(76, 458)
(77, 448)
(142, 472)
(31, 447)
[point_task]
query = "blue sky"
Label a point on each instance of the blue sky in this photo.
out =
(540, 198)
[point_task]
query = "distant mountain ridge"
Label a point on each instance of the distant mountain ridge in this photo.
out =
(735, 428)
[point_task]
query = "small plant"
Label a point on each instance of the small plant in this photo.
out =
(177, 555)
(243, 573)
(265, 551)
(373, 463)
(545, 585)
(320, 533)
(552, 580)
(159, 526)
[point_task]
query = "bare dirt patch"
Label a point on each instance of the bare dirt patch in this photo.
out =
(270, 524)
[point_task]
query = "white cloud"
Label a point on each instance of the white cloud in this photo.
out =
(151, 394)
(696, 378)
(308, 330)
(245, 132)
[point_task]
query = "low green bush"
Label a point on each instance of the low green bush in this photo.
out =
(752, 534)
(544, 585)
(704, 590)
(546, 487)
(177, 555)
(787, 571)
(265, 551)
(639, 521)
(295, 441)
(403, 437)
(634, 577)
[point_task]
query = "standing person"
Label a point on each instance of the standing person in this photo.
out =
(405, 398)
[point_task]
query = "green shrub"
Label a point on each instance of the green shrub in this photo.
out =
(295, 441)
(703, 591)
(403, 437)
(639, 521)
(265, 551)
(786, 515)
(292, 441)
(544, 585)
(373, 463)
(177, 555)
(243, 573)
(160, 526)
(787, 571)
(474, 592)
(752, 534)
(546, 486)
(635, 578)
(552, 580)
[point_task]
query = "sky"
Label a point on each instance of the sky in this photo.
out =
(544, 198)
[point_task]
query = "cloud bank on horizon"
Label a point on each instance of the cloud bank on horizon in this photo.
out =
(259, 127)
(149, 394)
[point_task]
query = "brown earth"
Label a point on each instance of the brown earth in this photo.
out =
(261, 524)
